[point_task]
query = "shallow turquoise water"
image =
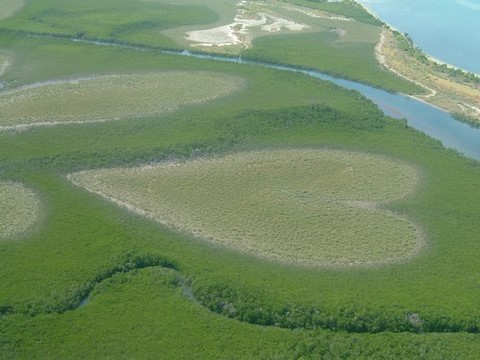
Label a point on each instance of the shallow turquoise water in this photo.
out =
(449, 30)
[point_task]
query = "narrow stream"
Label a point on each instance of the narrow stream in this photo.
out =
(427, 118)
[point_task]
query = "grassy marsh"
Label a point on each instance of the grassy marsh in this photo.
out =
(110, 97)
(306, 207)
(426, 307)
(108, 19)
(327, 52)
(19, 209)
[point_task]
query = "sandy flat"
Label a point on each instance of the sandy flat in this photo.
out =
(220, 36)
(239, 32)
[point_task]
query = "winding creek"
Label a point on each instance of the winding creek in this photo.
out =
(427, 118)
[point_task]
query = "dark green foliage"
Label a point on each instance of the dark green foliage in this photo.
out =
(76, 295)
(156, 293)
(354, 61)
(458, 74)
(470, 120)
(108, 19)
(261, 123)
(385, 346)
(247, 306)
(346, 8)
(406, 44)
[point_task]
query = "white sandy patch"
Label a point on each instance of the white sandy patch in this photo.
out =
(239, 31)
(248, 18)
(219, 36)
(278, 24)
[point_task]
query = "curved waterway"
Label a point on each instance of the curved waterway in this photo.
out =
(427, 118)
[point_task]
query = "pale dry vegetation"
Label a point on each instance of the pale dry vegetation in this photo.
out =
(301, 206)
(8, 7)
(110, 97)
(19, 209)
(442, 89)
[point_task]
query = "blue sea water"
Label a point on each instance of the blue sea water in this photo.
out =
(448, 30)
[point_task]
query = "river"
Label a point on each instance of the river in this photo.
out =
(427, 118)
(424, 117)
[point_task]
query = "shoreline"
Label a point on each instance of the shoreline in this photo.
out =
(448, 65)
(381, 59)
(465, 107)
(429, 57)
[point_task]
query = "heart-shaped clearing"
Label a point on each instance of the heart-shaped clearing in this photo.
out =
(103, 98)
(303, 206)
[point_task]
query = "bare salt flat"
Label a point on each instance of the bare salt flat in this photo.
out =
(249, 17)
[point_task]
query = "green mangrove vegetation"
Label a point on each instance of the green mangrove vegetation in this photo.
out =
(92, 279)
(355, 60)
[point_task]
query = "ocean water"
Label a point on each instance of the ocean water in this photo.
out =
(448, 30)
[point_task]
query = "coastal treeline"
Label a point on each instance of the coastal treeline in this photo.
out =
(406, 44)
